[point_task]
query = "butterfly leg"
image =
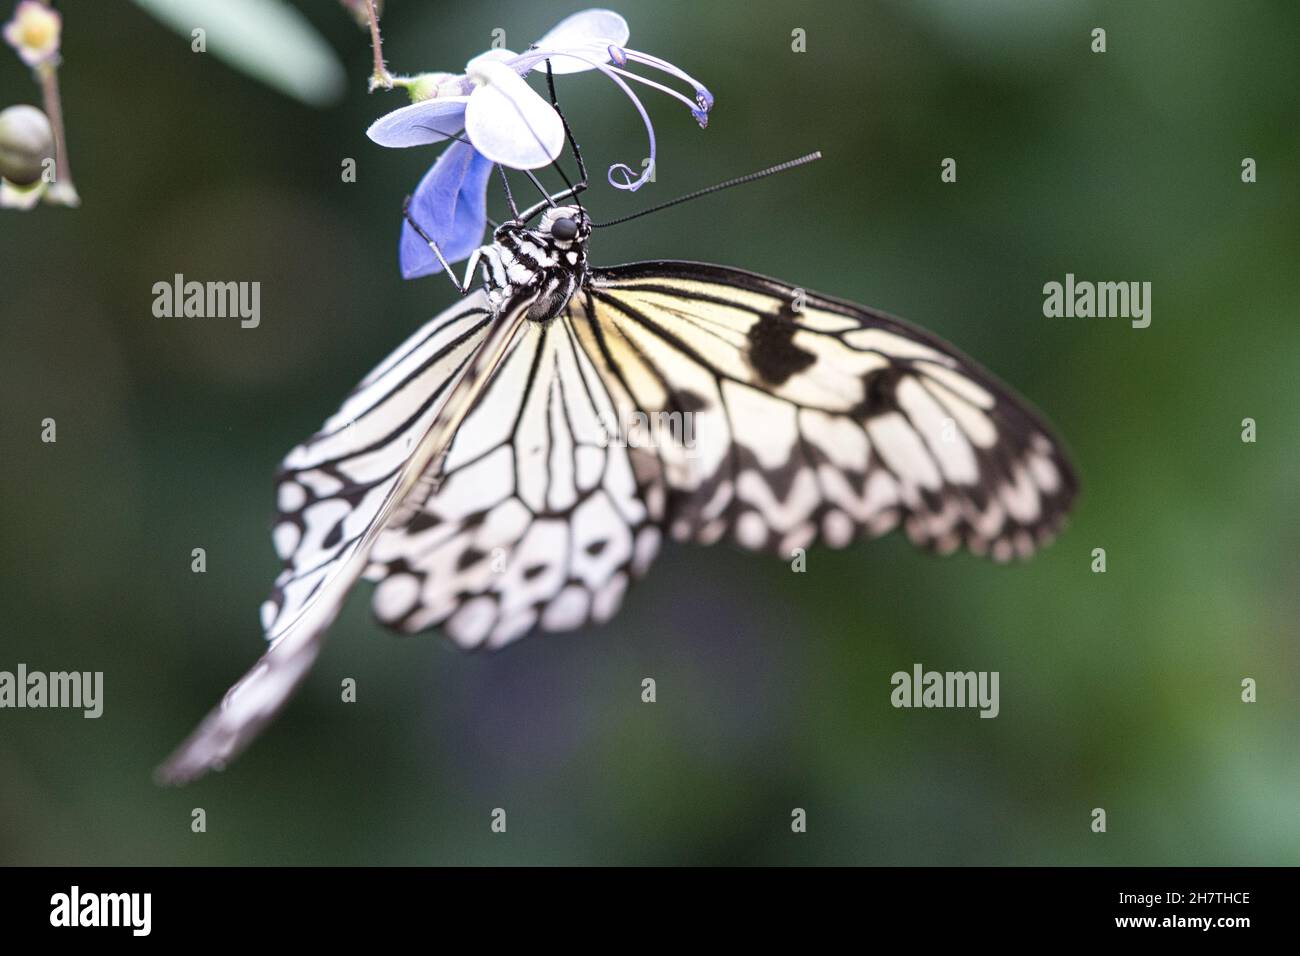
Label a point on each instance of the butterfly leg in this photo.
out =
(462, 286)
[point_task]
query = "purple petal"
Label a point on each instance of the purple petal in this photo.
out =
(450, 204)
(419, 124)
(589, 33)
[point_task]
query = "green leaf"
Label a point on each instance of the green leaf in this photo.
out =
(267, 39)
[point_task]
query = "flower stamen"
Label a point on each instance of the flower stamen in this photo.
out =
(702, 95)
(629, 183)
(699, 115)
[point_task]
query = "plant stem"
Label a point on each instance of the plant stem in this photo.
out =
(381, 75)
(62, 190)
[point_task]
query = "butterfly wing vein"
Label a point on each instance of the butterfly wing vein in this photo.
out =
(669, 399)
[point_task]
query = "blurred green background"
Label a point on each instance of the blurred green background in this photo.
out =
(1119, 690)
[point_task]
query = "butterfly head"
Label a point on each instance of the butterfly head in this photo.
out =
(565, 227)
(560, 238)
(545, 264)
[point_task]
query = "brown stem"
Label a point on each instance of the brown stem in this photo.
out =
(62, 190)
(381, 76)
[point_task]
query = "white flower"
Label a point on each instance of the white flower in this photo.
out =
(507, 120)
(34, 32)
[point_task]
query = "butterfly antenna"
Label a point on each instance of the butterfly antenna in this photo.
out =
(738, 181)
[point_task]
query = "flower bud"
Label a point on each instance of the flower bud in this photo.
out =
(428, 86)
(26, 142)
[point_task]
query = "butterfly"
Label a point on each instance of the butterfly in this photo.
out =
(495, 475)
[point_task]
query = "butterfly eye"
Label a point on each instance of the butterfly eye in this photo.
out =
(564, 229)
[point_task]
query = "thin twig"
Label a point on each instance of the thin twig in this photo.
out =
(62, 190)
(381, 75)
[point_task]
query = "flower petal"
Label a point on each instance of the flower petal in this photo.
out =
(590, 33)
(496, 53)
(429, 121)
(507, 121)
(450, 204)
(34, 32)
(20, 197)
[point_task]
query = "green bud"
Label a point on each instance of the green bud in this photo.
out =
(428, 86)
(26, 141)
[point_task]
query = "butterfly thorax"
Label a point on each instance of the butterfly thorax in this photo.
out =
(543, 267)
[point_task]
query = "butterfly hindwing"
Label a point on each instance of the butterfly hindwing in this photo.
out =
(541, 518)
(814, 419)
(330, 489)
(335, 491)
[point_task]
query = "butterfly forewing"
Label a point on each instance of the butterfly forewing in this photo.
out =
(819, 420)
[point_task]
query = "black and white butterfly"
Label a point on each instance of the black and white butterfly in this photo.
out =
(482, 474)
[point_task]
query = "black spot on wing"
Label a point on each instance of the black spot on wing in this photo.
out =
(879, 388)
(686, 400)
(772, 351)
(335, 535)
(469, 557)
(421, 521)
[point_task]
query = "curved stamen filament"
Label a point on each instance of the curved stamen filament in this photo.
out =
(690, 104)
(703, 96)
(533, 57)
(630, 184)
